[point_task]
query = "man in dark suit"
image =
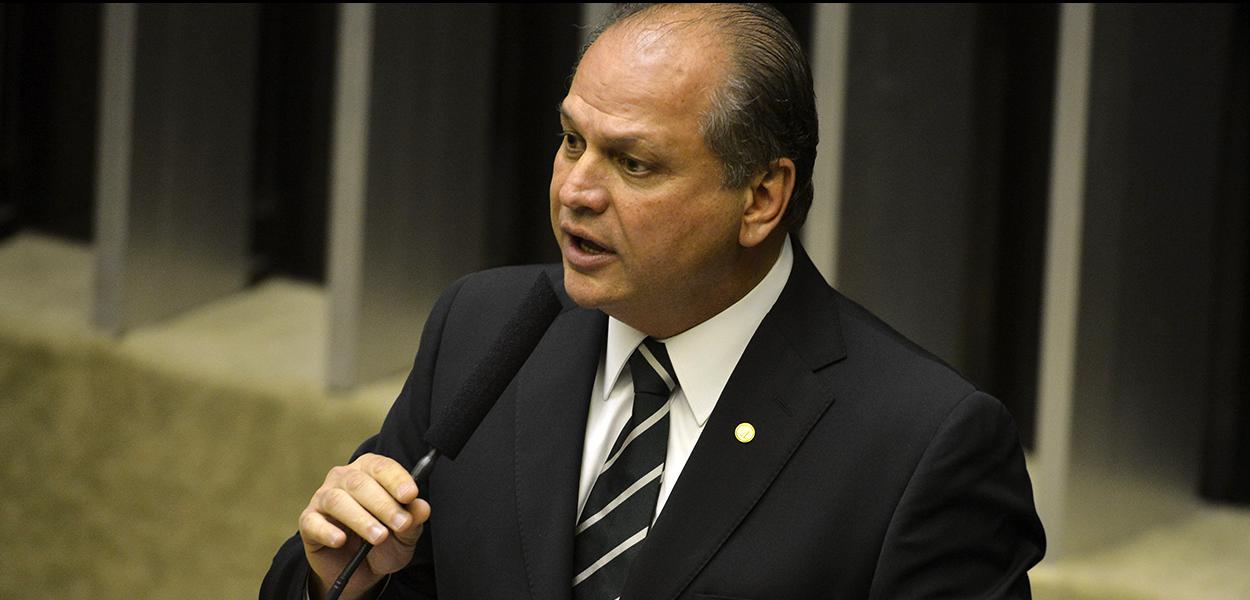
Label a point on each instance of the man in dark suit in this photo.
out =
(705, 418)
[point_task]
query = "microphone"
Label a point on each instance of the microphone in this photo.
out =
(447, 436)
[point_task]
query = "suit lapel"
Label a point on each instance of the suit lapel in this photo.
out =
(774, 387)
(552, 395)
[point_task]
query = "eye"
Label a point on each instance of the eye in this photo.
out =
(633, 166)
(572, 142)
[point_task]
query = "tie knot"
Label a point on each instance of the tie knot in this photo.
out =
(652, 370)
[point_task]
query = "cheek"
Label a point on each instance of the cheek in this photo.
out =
(559, 172)
(704, 237)
(557, 180)
(664, 240)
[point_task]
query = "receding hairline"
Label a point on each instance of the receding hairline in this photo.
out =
(660, 22)
(669, 19)
(697, 14)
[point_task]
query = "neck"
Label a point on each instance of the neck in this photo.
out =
(682, 313)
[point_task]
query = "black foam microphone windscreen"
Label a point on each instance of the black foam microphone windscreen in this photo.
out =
(448, 435)
(516, 341)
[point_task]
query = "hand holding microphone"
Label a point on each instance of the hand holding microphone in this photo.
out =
(375, 492)
(375, 498)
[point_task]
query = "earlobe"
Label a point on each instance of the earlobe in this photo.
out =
(767, 199)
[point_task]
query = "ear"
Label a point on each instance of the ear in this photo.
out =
(766, 201)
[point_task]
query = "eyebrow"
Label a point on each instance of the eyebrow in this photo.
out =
(564, 114)
(614, 143)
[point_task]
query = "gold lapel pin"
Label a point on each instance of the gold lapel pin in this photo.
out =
(745, 432)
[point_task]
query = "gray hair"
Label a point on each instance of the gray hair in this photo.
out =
(766, 107)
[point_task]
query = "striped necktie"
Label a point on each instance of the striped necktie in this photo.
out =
(621, 505)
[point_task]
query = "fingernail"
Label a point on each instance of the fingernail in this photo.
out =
(399, 520)
(375, 534)
(407, 489)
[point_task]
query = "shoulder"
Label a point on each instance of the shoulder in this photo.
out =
(894, 387)
(891, 359)
(877, 376)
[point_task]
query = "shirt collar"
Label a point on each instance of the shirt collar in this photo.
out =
(705, 355)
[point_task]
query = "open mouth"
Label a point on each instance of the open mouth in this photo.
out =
(588, 246)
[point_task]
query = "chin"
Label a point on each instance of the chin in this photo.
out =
(585, 290)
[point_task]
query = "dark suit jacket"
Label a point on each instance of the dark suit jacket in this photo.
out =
(876, 471)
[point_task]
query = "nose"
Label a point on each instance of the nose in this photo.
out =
(583, 186)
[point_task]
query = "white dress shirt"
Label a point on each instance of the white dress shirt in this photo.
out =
(703, 356)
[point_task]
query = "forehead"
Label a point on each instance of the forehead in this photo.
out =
(647, 74)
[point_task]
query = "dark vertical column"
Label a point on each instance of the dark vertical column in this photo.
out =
(295, 78)
(944, 173)
(1017, 49)
(10, 49)
(1226, 456)
(909, 193)
(1144, 341)
(535, 54)
(48, 83)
